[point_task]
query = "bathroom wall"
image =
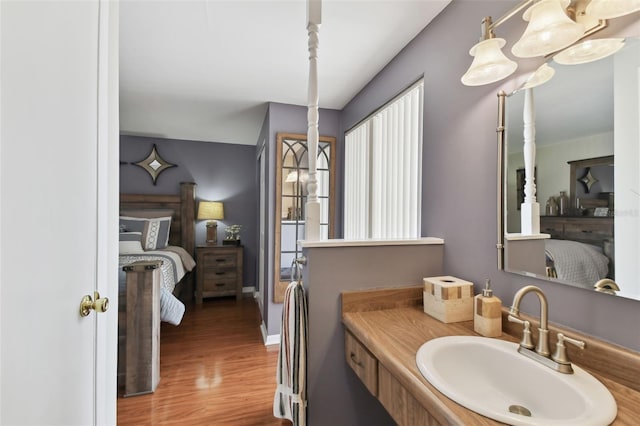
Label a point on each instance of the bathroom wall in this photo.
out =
(336, 395)
(460, 163)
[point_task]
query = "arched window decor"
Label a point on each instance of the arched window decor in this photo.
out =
(292, 172)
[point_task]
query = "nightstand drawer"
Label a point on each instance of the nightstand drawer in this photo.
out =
(220, 276)
(219, 286)
(219, 261)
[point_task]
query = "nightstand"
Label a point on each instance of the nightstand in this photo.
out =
(218, 272)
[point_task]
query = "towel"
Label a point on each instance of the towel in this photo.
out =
(290, 401)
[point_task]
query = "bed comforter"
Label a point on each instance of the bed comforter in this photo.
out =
(577, 262)
(176, 262)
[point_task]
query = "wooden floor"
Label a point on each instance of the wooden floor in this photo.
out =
(215, 370)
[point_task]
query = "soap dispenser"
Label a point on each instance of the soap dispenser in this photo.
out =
(487, 313)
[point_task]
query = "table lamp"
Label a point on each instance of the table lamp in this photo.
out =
(211, 211)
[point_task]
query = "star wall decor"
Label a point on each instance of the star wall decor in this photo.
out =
(587, 180)
(154, 164)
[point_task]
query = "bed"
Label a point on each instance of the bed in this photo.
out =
(157, 247)
(576, 262)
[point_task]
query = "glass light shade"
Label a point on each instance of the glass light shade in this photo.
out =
(293, 176)
(543, 74)
(489, 63)
(608, 9)
(210, 210)
(549, 29)
(589, 51)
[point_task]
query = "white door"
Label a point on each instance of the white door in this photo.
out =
(58, 149)
(262, 178)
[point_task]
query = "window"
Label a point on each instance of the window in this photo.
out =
(383, 171)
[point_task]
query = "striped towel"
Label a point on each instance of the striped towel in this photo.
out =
(290, 401)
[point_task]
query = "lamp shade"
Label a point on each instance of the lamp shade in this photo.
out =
(589, 51)
(294, 176)
(607, 9)
(210, 210)
(543, 74)
(549, 29)
(489, 63)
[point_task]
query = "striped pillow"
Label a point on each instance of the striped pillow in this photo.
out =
(155, 231)
(131, 243)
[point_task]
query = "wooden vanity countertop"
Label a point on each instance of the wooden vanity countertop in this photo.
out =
(393, 326)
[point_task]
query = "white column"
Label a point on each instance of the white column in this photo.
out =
(530, 209)
(312, 216)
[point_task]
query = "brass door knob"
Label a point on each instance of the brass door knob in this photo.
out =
(101, 304)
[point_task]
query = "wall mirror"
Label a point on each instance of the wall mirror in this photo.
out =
(292, 172)
(587, 137)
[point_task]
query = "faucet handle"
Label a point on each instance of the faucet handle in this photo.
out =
(560, 355)
(527, 340)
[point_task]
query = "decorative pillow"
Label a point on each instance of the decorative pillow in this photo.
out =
(131, 243)
(155, 231)
(147, 213)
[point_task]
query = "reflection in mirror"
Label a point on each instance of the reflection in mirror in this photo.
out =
(585, 117)
(292, 172)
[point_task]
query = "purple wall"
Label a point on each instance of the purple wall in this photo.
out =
(283, 118)
(223, 172)
(460, 166)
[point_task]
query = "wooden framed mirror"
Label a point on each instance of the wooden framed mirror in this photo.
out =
(292, 171)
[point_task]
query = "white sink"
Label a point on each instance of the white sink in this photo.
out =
(490, 377)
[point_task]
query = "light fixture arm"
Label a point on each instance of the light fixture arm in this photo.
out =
(510, 14)
(486, 29)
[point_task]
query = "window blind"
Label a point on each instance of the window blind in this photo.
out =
(383, 171)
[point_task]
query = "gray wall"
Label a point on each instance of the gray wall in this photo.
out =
(222, 172)
(283, 118)
(459, 165)
(336, 395)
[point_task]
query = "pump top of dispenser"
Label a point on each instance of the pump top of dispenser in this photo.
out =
(487, 292)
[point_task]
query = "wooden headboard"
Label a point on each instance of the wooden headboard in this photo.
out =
(183, 220)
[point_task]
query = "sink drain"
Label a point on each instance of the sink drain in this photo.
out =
(519, 409)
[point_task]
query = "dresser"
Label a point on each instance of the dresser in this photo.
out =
(218, 271)
(591, 230)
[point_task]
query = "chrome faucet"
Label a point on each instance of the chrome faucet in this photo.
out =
(559, 360)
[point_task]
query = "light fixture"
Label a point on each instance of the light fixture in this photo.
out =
(609, 9)
(589, 51)
(549, 29)
(211, 211)
(554, 25)
(489, 63)
(293, 177)
(543, 74)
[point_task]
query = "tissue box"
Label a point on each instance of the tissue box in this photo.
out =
(448, 299)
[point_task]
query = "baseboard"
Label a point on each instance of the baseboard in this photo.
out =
(274, 339)
(251, 289)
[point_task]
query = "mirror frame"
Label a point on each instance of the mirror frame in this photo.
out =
(279, 285)
(500, 129)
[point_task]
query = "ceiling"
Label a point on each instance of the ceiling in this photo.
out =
(205, 69)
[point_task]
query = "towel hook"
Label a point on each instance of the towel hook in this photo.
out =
(296, 268)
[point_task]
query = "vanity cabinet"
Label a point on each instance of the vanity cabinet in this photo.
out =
(399, 403)
(391, 333)
(362, 362)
